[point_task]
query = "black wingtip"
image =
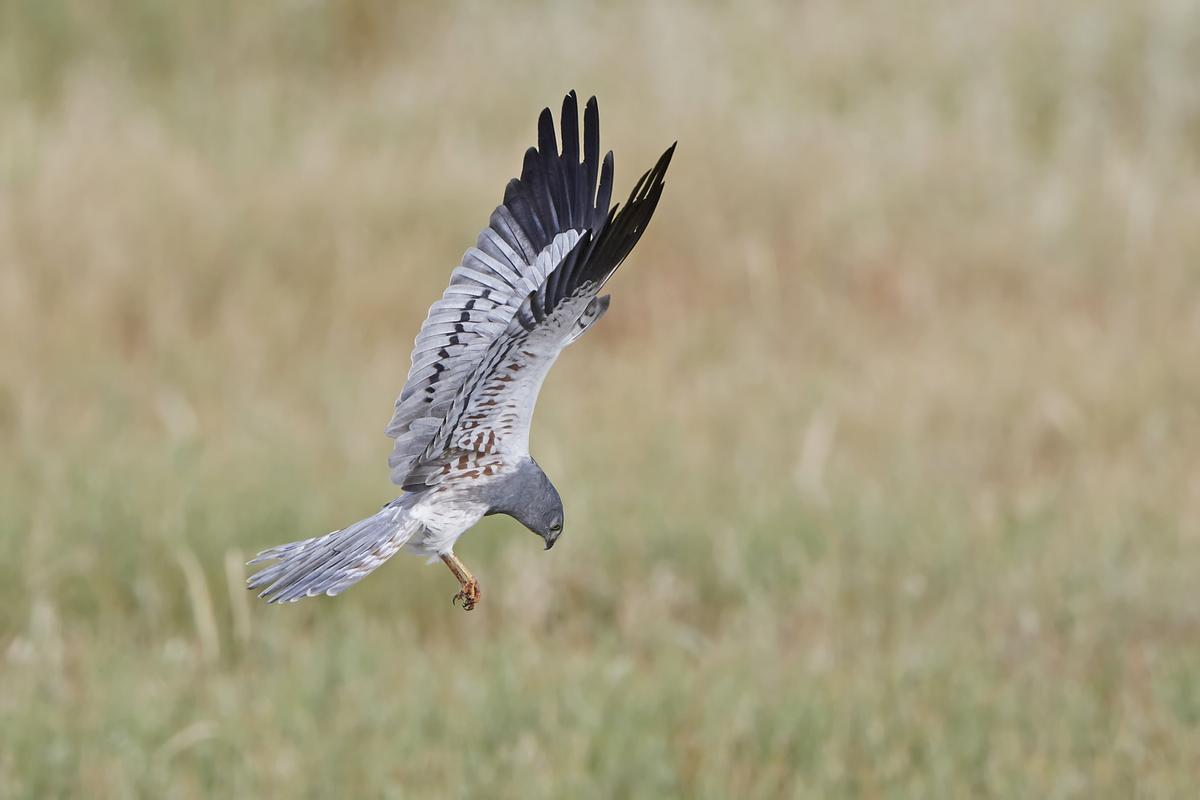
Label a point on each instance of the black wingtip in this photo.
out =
(546, 141)
(664, 160)
(572, 187)
(568, 120)
(654, 177)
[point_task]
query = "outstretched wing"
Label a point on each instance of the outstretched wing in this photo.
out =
(490, 415)
(545, 212)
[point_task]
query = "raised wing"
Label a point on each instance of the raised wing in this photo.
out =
(544, 214)
(490, 415)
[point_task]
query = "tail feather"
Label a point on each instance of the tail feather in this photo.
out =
(331, 563)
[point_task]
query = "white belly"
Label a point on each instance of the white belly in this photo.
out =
(443, 519)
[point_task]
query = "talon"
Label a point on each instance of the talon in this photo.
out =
(469, 595)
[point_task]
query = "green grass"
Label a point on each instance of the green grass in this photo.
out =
(880, 475)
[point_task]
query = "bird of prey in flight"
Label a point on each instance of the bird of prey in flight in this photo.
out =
(528, 288)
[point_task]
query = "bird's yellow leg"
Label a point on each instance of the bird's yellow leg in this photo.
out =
(469, 594)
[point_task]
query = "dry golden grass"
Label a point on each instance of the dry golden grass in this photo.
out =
(882, 474)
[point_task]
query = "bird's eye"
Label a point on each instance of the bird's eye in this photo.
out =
(556, 527)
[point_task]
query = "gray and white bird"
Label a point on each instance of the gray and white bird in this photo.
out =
(528, 288)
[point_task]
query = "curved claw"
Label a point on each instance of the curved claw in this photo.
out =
(469, 595)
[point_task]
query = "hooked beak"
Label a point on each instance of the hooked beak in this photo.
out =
(551, 540)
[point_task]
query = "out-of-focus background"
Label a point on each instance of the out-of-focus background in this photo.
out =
(882, 475)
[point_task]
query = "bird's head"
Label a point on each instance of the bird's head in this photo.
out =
(528, 496)
(545, 518)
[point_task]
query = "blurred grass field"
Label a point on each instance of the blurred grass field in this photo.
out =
(882, 475)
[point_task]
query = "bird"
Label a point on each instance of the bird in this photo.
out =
(529, 288)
